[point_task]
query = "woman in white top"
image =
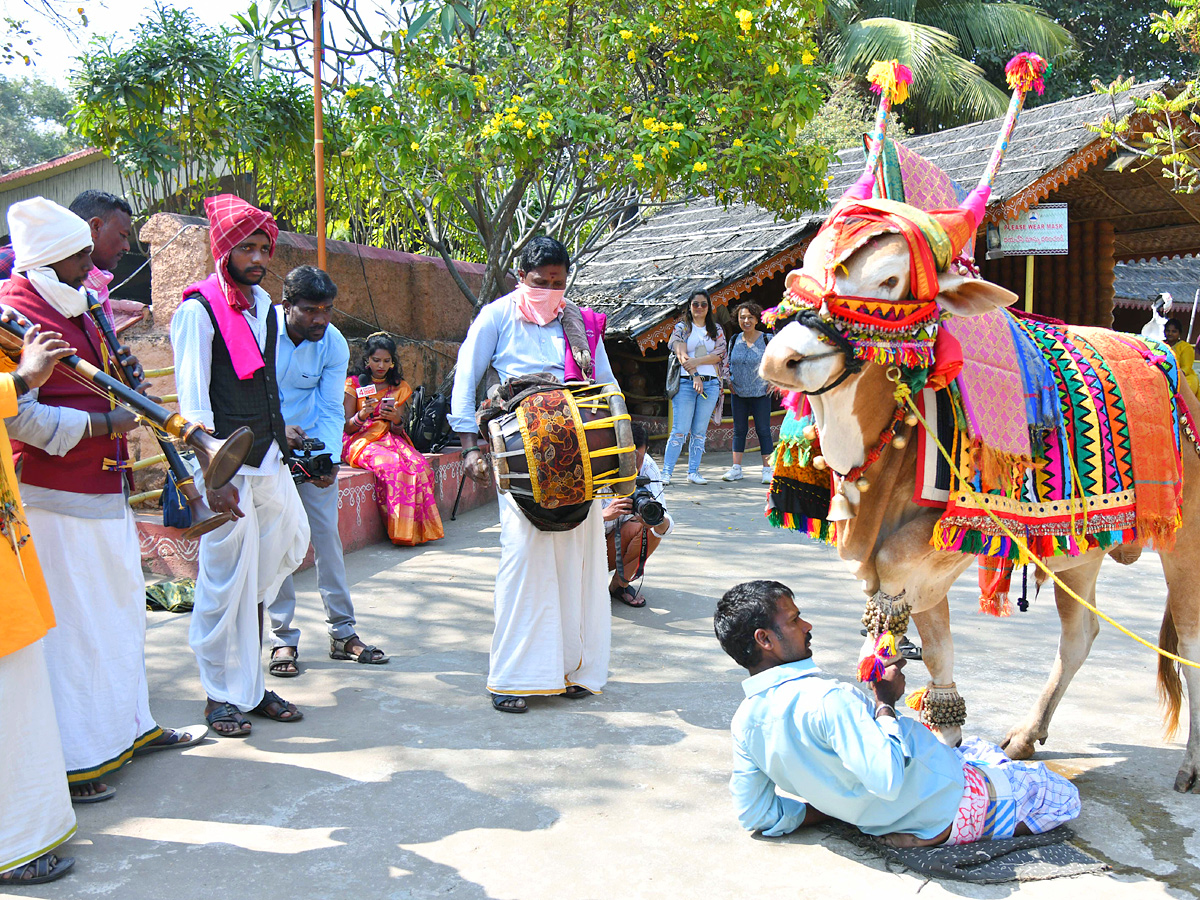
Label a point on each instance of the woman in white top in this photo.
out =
(699, 345)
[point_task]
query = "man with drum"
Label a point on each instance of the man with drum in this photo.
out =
(553, 620)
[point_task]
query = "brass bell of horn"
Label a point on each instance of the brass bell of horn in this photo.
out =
(204, 519)
(219, 459)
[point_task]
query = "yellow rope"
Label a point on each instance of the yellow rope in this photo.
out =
(1037, 562)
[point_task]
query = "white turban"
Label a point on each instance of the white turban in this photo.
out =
(44, 233)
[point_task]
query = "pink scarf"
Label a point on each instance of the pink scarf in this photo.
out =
(538, 305)
(235, 330)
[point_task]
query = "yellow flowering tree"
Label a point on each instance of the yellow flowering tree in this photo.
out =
(497, 121)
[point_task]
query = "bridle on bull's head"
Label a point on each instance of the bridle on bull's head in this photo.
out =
(869, 329)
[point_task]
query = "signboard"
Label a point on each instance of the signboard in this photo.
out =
(1039, 231)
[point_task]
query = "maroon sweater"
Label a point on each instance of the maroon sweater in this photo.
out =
(82, 469)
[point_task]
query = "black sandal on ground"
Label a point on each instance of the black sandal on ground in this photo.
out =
(577, 692)
(274, 707)
(509, 703)
(284, 666)
(628, 596)
(368, 655)
(46, 867)
(227, 712)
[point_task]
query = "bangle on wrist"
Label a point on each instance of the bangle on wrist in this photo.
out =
(469, 449)
(879, 707)
(20, 384)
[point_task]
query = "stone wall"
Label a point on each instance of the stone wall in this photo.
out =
(412, 297)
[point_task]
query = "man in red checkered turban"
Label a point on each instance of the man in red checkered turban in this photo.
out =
(224, 335)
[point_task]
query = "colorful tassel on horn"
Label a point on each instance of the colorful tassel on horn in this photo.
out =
(870, 669)
(1024, 73)
(916, 700)
(890, 80)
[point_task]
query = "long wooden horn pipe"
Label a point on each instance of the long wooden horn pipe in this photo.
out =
(220, 459)
(204, 519)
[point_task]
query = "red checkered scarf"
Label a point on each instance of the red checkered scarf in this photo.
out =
(231, 220)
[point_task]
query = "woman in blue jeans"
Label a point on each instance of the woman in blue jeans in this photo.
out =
(699, 345)
(749, 393)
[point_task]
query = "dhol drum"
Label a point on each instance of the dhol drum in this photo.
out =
(561, 448)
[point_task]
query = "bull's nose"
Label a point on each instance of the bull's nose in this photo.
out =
(794, 360)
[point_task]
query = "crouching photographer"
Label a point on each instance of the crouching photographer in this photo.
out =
(634, 526)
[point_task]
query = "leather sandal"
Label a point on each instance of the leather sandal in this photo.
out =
(368, 655)
(508, 703)
(272, 706)
(46, 867)
(280, 665)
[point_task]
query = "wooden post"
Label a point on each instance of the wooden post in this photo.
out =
(1029, 284)
(319, 130)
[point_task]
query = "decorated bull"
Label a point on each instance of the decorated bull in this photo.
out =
(929, 426)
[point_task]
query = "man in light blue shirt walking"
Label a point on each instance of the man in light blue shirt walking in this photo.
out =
(310, 362)
(852, 759)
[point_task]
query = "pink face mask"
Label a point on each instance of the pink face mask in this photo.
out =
(538, 305)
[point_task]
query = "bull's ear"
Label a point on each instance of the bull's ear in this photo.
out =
(792, 279)
(971, 296)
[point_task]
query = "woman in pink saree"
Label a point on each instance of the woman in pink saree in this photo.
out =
(375, 440)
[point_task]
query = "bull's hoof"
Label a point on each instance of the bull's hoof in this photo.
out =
(1188, 780)
(1019, 743)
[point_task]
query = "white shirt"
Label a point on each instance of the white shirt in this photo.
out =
(192, 335)
(649, 470)
(700, 344)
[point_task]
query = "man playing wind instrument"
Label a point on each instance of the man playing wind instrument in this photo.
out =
(69, 442)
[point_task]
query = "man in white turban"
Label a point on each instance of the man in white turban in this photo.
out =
(73, 459)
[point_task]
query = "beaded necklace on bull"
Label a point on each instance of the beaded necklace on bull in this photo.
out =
(900, 335)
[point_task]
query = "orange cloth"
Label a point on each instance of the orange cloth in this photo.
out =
(25, 611)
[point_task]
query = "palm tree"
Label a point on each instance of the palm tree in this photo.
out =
(940, 40)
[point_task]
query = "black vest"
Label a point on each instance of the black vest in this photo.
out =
(253, 402)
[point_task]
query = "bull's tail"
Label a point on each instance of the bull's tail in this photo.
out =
(1170, 686)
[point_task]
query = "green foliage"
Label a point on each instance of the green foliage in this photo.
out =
(497, 121)
(1115, 41)
(942, 41)
(33, 123)
(844, 118)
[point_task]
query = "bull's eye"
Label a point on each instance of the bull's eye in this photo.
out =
(891, 282)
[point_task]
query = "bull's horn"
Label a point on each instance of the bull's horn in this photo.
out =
(1024, 73)
(890, 80)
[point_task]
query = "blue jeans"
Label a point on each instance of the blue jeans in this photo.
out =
(690, 413)
(743, 409)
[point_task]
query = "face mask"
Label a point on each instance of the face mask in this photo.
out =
(539, 305)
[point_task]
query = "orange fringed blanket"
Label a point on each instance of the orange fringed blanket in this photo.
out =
(1153, 431)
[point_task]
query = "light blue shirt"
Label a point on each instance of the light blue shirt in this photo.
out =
(818, 738)
(312, 379)
(499, 337)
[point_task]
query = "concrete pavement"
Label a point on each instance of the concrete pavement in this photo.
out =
(401, 781)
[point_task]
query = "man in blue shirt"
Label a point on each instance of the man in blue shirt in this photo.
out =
(310, 363)
(852, 759)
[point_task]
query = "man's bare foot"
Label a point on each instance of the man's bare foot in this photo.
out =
(903, 840)
(91, 792)
(226, 719)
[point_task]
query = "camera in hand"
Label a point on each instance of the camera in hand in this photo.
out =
(645, 506)
(306, 466)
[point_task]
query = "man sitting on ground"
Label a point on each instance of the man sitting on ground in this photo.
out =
(854, 760)
(619, 519)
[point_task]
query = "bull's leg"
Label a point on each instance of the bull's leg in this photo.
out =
(937, 647)
(1181, 635)
(1079, 628)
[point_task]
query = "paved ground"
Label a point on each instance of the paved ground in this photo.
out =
(402, 782)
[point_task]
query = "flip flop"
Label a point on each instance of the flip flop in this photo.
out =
(197, 732)
(46, 867)
(107, 794)
(628, 596)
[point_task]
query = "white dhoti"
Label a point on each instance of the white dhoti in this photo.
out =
(35, 803)
(242, 564)
(553, 616)
(96, 654)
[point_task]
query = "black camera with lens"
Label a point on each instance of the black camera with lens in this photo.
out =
(306, 466)
(645, 506)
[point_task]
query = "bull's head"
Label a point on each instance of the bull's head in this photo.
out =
(876, 280)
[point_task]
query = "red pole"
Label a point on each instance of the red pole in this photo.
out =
(319, 131)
